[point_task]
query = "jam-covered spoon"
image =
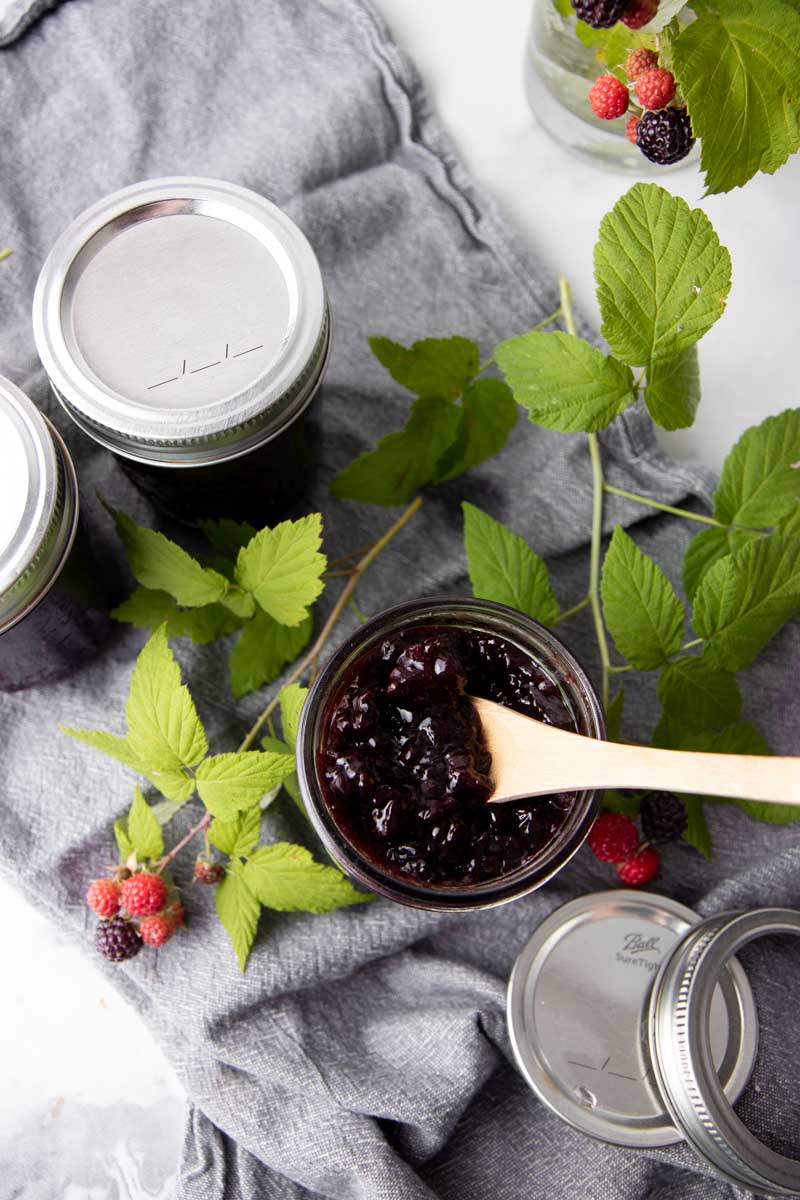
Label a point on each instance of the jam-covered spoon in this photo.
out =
(531, 758)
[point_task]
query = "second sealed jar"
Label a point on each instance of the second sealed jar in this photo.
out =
(184, 325)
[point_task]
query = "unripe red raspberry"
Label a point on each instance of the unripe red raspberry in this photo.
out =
(613, 837)
(144, 894)
(103, 897)
(655, 88)
(631, 126)
(639, 12)
(641, 868)
(638, 61)
(154, 931)
(608, 97)
(208, 872)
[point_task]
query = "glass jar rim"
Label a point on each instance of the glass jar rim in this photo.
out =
(553, 655)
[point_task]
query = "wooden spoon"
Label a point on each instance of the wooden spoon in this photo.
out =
(530, 758)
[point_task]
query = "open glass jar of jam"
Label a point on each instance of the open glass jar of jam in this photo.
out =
(184, 325)
(393, 770)
(50, 616)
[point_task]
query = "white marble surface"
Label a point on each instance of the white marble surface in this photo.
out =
(78, 1119)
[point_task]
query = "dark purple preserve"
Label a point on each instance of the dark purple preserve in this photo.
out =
(403, 767)
(51, 619)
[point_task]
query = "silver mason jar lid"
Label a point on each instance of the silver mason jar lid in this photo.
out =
(577, 1015)
(182, 321)
(681, 1029)
(38, 504)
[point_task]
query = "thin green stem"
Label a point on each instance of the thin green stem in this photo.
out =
(309, 659)
(612, 670)
(594, 562)
(485, 365)
(571, 612)
(676, 512)
(639, 380)
(691, 644)
(567, 311)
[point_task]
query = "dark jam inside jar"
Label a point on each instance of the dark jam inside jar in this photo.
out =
(404, 770)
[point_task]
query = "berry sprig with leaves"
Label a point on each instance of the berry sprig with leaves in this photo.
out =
(663, 279)
(736, 66)
(280, 571)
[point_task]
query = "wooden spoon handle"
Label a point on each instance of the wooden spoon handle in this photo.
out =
(739, 776)
(533, 759)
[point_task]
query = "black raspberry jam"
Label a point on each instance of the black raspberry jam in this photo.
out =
(403, 767)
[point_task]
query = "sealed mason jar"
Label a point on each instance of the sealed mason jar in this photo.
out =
(184, 325)
(559, 70)
(51, 619)
(506, 645)
(631, 1018)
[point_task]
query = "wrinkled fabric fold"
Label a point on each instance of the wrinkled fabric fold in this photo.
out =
(363, 1054)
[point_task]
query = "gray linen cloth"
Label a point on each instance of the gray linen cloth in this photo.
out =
(364, 1053)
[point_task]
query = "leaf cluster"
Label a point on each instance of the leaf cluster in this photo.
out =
(456, 421)
(166, 742)
(258, 583)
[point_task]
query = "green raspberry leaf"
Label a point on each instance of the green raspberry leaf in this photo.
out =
(673, 390)
(158, 563)
(662, 275)
(263, 650)
(164, 730)
(405, 461)
(240, 604)
(109, 743)
(643, 614)
(291, 782)
(565, 383)
(292, 699)
(282, 568)
(227, 783)
(745, 598)
(147, 608)
(738, 66)
(433, 367)
(227, 536)
(124, 843)
(488, 416)
(697, 833)
(144, 830)
(702, 552)
(700, 695)
(175, 785)
(238, 910)
(760, 481)
(502, 567)
(286, 878)
(237, 837)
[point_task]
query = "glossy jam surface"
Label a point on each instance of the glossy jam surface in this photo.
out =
(403, 766)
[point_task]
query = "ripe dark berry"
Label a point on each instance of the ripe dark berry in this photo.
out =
(608, 97)
(117, 939)
(613, 837)
(663, 816)
(103, 897)
(665, 137)
(641, 868)
(144, 894)
(655, 87)
(638, 61)
(208, 872)
(154, 931)
(631, 126)
(639, 12)
(600, 14)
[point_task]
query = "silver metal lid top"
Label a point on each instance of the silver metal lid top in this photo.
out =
(681, 1040)
(178, 317)
(38, 504)
(577, 1015)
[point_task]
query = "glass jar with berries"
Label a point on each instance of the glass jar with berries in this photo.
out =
(598, 79)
